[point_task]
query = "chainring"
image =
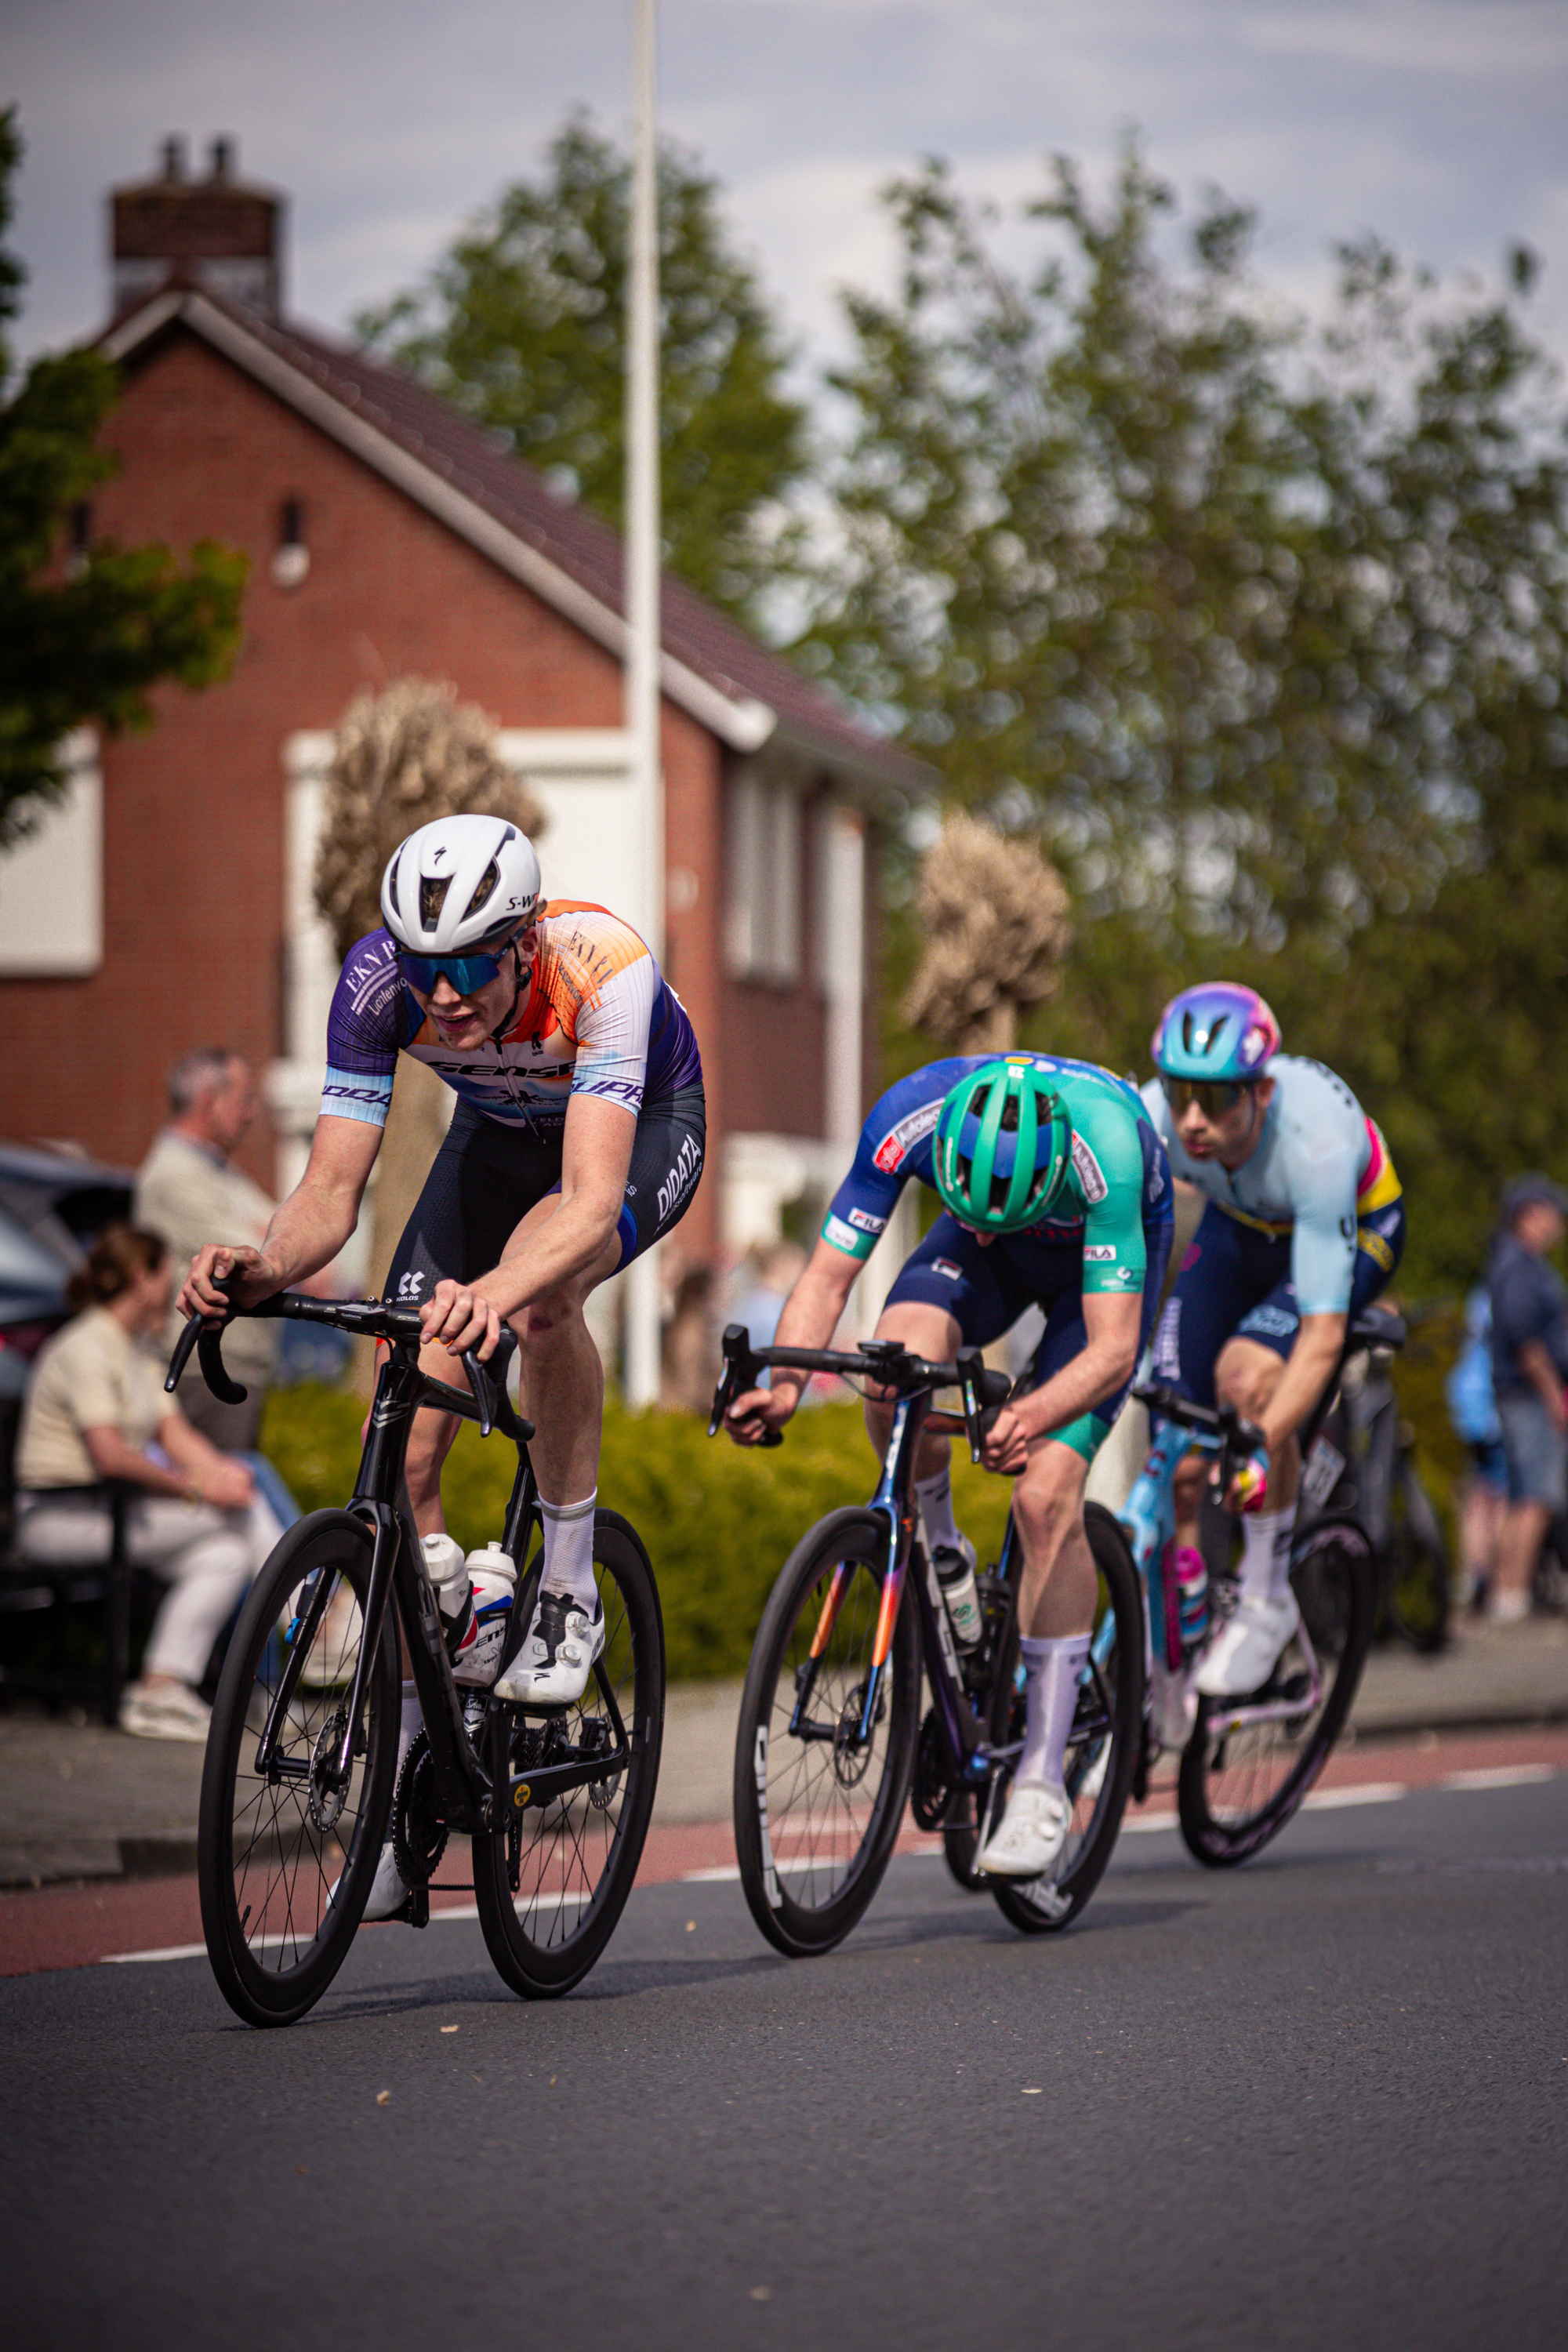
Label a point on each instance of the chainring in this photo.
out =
(419, 1832)
(931, 1792)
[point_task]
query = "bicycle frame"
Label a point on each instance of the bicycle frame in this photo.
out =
(475, 1795)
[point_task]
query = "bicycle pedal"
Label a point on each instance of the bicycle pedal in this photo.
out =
(416, 1911)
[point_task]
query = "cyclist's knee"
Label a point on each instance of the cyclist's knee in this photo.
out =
(1247, 1376)
(1048, 1501)
(546, 1323)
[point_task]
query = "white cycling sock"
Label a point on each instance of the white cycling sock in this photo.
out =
(1266, 1562)
(569, 1551)
(934, 1496)
(1053, 1668)
(410, 1721)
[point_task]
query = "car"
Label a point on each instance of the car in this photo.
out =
(53, 1206)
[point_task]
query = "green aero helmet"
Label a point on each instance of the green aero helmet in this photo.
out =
(1003, 1146)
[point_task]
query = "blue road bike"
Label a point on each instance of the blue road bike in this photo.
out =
(832, 1742)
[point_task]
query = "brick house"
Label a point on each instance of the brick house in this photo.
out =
(168, 903)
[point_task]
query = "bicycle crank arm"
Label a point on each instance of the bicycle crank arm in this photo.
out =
(544, 1786)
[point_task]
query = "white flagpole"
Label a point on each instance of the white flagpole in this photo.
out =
(642, 663)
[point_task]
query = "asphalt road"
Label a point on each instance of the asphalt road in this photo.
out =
(1322, 2101)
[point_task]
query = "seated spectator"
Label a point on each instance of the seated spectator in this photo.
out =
(1472, 1409)
(96, 1409)
(1529, 1365)
(189, 1190)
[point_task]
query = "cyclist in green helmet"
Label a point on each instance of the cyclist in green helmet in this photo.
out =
(1056, 1193)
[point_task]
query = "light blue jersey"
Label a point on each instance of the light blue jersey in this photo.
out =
(1319, 1166)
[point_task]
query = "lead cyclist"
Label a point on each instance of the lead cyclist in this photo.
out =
(576, 1142)
(1302, 1227)
(1057, 1193)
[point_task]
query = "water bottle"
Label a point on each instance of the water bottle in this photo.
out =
(955, 1574)
(492, 1576)
(1192, 1581)
(449, 1574)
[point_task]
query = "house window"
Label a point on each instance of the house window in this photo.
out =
(51, 883)
(762, 927)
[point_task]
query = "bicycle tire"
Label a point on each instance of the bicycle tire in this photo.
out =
(551, 1883)
(282, 1891)
(833, 1854)
(1238, 1787)
(1416, 1574)
(1046, 1906)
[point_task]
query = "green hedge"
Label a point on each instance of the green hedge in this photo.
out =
(717, 1523)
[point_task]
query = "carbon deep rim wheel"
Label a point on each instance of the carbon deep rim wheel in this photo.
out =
(1102, 1745)
(285, 1871)
(553, 1881)
(816, 1816)
(1416, 1573)
(1242, 1778)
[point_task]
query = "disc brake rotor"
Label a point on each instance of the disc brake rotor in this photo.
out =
(327, 1799)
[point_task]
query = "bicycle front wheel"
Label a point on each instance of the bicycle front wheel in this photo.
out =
(817, 1807)
(1249, 1763)
(1102, 1742)
(286, 1860)
(552, 1880)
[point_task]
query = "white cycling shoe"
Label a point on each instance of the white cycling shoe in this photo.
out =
(552, 1667)
(1247, 1648)
(388, 1891)
(1029, 1837)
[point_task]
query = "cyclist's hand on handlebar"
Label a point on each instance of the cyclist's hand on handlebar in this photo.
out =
(752, 1416)
(1248, 1490)
(213, 1263)
(457, 1315)
(1005, 1445)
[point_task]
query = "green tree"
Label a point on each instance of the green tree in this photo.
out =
(523, 323)
(88, 640)
(1258, 629)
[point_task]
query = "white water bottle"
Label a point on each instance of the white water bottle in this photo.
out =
(492, 1576)
(448, 1573)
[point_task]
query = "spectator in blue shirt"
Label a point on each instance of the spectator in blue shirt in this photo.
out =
(1529, 1368)
(1472, 1409)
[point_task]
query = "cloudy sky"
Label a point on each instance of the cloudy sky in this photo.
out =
(1439, 123)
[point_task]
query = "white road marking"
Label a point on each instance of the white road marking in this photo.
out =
(1499, 1775)
(1366, 1792)
(168, 1952)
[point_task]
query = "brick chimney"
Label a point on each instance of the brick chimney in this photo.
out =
(214, 233)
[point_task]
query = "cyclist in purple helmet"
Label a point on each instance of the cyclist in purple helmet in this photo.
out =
(1303, 1225)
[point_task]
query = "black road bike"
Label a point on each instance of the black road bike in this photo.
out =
(300, 1788)
(1249, 1762)
(831, 1740)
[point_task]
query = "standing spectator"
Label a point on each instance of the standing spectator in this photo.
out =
(189, 1190)
(96, 1409)
(1529, 1365)
(1472, 1409)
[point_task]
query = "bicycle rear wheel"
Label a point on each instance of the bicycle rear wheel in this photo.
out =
(285, 1861)
(1102, 1744)
(816, 1812)
(551, 1883)
(1249, 1765)
(1416, 1574)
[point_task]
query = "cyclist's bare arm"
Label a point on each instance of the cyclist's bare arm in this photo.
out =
(1111, 1321)
(551, 1250)
(308, 1229)
(1308, 1369)
(809, 1319)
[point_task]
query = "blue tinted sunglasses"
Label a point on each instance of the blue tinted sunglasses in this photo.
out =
(467, 973)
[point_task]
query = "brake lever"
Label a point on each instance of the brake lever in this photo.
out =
(978, 1385)
(741, 1371)
(480, 1381)
(206, 1337)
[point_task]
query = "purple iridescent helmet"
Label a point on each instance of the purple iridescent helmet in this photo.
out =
(1217, 1030)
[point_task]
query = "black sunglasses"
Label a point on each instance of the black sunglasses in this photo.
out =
(1214, 1096)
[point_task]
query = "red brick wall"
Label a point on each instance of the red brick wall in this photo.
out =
(194, 811)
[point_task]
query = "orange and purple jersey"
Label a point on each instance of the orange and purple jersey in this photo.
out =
(598, 1018)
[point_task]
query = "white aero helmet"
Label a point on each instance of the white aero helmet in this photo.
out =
(460, 883)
